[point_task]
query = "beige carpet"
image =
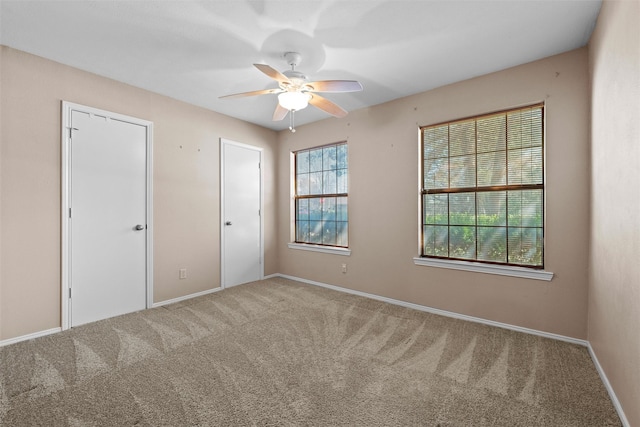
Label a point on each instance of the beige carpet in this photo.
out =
(279, 352)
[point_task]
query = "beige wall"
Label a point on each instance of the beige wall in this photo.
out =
(186, 185)
(383, 199)
(614, 291)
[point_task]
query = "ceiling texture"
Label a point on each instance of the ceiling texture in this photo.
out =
(197, 51)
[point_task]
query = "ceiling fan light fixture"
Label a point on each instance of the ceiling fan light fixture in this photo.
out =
(294, 101)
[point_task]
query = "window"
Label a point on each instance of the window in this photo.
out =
(321, 196)
(483, 188)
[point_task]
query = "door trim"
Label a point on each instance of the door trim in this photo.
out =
(67, 108)
(223, 143)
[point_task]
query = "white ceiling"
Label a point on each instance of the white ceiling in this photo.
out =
(196, 51)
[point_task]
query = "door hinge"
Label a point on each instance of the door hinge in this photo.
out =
(69, 212)
(259, 165)
(71, 132)
(69, 293)
(259, 212)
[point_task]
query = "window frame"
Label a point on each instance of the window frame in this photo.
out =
(479, 265)
(314, 246)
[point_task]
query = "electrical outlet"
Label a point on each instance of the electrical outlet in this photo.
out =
(183, 273)
(344, 268)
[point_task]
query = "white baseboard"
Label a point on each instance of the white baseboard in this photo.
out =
(30, 336)
(185, 297)
(438, 311)
(56, 330)
(607, 385)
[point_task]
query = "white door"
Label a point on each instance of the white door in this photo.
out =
(108, 216)
(241, 221)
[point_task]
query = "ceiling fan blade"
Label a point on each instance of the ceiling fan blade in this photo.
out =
(253, 93)
(327, 106)
(273, 73)
(335, 86)
(280, 113)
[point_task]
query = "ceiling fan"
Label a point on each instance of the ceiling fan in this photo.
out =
(295, 91)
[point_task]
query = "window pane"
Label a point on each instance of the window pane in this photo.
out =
(525, 208)
(463, 171)
(302, 212)
(492, 169)
(462, 209)
(329, 233)
(329, 182)
(492, 208)
(341, 209)
(436, 142)
(492, 134)
(462, 138)
(342, 238)
(315, 160)
(436, 241)
(492, 244)
(341, 184)
(462, 242)
(525, 128)
(302, 162)
(315, 232)
(436, 173)
(329, 155)
(329, 208)
(315, 209)
(315, 183)
(525, 166)
(342, 156)
(435, 208)
(302, 228)
(302, 184)
(525, 246)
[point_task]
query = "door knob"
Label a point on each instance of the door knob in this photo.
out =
(139, 227)
(227, 223)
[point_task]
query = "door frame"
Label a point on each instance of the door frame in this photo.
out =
(223, 143)
(67, 109)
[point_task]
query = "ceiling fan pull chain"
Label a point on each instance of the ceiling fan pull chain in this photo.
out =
(292, 127)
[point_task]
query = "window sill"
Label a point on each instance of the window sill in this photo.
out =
(323, 249)
(502, 270)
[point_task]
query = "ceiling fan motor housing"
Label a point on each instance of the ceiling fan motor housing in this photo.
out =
(297, 79)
